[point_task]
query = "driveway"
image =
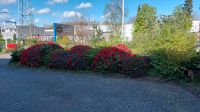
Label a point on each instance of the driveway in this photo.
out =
(39, 90)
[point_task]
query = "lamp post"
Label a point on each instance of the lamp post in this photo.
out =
(123, 21)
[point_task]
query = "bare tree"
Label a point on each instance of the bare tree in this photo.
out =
(82, 29)
(113, 15)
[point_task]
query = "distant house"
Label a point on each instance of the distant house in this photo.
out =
(8, 31)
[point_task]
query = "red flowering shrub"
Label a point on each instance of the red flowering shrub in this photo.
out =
(80, 49)
(113, 59)
(38, 55)
(60, 60)
(117, 59)
(124, 48)
(12, 46)
(133, 66)
(108, 58)
(72, 59)
(79, 59)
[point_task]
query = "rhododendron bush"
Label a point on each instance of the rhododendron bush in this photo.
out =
(74, 59)
(38, 55)
(114, 59)
(119, 60)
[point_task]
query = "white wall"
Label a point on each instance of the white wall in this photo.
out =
(127, 30)
(195, 26)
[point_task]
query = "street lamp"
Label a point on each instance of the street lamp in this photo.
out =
(123, 21)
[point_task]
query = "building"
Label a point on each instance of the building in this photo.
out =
(195, 26)
(8, 29)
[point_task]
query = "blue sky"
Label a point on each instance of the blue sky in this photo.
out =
(50, 11)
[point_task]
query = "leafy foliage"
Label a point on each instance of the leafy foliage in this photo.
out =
(2, 42)
(188, 7)
(38, 55)
(74, 59)
(146, 21)
(113, 40)
(64, 41)
(116, 59)
(31, 42)
(15, 56)
(172, 47)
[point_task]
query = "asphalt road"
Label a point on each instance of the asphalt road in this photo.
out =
(39, 90)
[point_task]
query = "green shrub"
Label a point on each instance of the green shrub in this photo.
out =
(104, 43)
(64, 42)
(2, 42)
(30, 42)
(15, 56)
(92, 53)
(171, 55)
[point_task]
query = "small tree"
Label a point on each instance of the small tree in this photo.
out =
(178, 21)
(81, 30)
(146, 21)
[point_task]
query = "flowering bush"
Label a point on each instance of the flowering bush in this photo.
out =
(108, 58)
(78, 57)
(60, 60)
(119, 60)
(133, 66)
(72, 59)
(38, 55)
(124, 48)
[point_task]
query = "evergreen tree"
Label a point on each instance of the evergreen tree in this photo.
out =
(146, 21)
(188, 6)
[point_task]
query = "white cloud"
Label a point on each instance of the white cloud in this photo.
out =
(5, 10)
(7, 1)
(52, 2)
(44, 11)
(13, 19)
(84, 5)
(69, 14)
(5, 16)
(37, 20)
(56, 14)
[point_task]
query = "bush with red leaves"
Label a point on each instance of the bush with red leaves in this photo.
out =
(133, 66)
(73, 59)
(38, 55)
(123, 48)
(118, 60)
(60, 59)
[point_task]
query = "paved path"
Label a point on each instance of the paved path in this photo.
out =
(30, 90)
